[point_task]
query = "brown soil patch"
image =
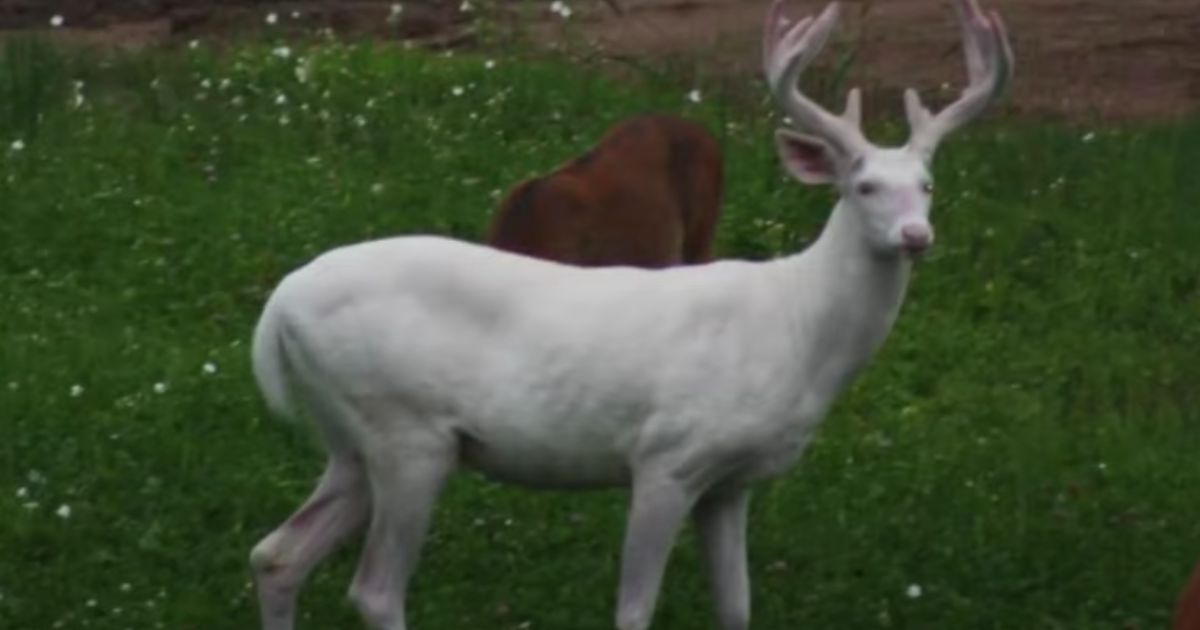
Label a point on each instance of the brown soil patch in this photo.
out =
(1082, 59)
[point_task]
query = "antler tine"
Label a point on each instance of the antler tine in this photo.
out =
(853, 112)
(1007, 58)
(989, 61)
(771, 31)
(779, 33)
(788, 50)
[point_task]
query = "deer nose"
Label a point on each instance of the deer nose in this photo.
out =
(916, 238)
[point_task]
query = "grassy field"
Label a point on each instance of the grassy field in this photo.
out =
(1023, 454)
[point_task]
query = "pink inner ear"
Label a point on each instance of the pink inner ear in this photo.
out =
(807, 159)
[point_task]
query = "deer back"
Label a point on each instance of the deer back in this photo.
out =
(648, 194)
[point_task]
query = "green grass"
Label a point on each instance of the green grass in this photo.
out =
(1024, 449)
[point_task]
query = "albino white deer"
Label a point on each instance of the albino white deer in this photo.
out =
(415, 355)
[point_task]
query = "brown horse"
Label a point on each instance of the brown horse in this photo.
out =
(647, 195)
(1187, 611)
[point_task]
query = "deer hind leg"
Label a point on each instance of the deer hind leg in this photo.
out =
(285, 557)
(696, 178)
(405, 483)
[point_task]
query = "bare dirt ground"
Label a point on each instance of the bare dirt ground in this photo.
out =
(1079, 59)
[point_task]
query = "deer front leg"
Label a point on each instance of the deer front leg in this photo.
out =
(658, 509)
(720, 518)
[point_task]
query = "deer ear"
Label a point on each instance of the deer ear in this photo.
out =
(808, 159)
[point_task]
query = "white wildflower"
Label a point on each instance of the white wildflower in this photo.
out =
(22, 492)
(17, 145)
(194, 44)
(283, 52)
(377, 188)
(281, 100)
(489, 64)
(457, 90)
(272, 18)
(56, 21)
(209, 367)
(394, 13)
(160, 388)
(465, 7)
(76, 391)
(1089, 136)
(694, 96)
(913, 591)
(63, 511)
(360, 121)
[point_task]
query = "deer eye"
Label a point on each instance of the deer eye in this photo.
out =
(867, 188)
(927, 188)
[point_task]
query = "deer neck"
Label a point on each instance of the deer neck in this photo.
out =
(842, 299)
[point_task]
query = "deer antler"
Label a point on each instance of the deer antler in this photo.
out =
(787, 51)
(989, 68)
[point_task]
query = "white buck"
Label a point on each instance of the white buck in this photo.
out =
(413, 356)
